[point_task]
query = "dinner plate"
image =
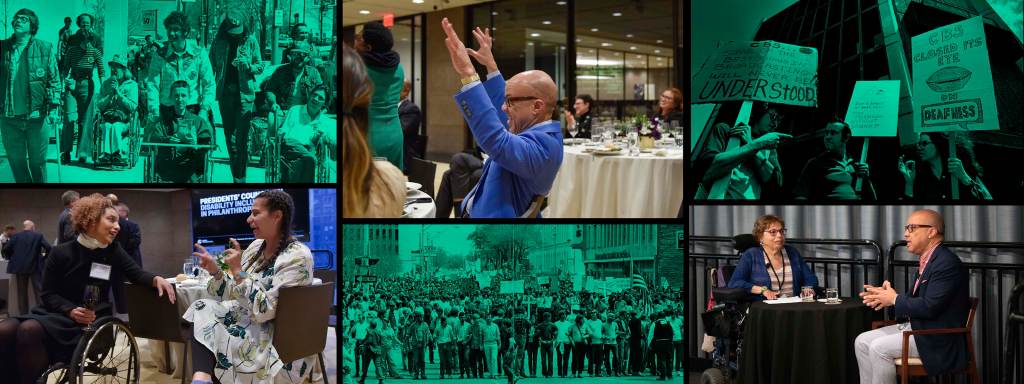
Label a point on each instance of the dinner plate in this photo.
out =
(603, 152)
(411, 186)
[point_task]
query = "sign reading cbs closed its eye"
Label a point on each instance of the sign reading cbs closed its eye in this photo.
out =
(953, 80)
(759, 70)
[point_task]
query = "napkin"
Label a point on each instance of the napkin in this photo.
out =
(785, 300)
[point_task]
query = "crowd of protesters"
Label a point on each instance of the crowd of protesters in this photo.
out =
(398, 324)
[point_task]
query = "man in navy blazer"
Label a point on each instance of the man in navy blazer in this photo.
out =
(938, 299)
(526, 151)
(26, 266)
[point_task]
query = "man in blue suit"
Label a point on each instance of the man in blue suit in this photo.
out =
(938, 299)
(26, 265)
(512, 123)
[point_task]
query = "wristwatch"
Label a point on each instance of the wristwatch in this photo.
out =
(763, 289)
(469, 79)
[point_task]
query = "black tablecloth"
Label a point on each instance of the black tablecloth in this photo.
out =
(803, 342)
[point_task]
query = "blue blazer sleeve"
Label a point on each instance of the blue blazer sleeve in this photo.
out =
(741, 277)
(803, 275)
(523, 155)
(944, 279)
(495, 88)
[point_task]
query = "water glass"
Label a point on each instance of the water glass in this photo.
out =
(595, 133)
(188, 268)
(832, 295)
(632, 138)
(807, 293)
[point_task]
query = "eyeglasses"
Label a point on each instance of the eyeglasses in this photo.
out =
(21, 18)
(922, 144)
(510, 100)
(914, 227)
(774, 232)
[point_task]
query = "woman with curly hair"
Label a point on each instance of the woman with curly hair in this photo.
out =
(233, 333)
(50, 333)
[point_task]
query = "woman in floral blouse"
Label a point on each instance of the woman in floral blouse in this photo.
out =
(233, 333)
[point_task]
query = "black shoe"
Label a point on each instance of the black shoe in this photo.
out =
(65, 157)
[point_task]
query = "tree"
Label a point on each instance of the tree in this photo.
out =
(505, 247)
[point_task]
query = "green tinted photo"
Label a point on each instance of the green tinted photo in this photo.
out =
(153, 91)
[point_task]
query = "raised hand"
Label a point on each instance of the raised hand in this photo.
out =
(233, 257)
(956, 168)
(206, 260)
(771, 140)
(907, 169)
(457, 51)
(483, 55)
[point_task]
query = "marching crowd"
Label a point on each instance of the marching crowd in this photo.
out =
(400, 323)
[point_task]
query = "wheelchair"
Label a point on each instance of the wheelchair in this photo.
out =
(724, 320)
(272, 139)
(107, 354)
(134, 141)
(151, 149)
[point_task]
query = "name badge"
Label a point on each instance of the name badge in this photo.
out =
(100, 271)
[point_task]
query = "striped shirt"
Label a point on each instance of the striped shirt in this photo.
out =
(785, 277)
(80, 61)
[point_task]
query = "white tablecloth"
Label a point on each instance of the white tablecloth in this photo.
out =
(419, 210)
(620, 186)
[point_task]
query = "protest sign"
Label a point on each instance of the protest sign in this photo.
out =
(953, 80)
(513, 286)
(874, 108)
(759, 70)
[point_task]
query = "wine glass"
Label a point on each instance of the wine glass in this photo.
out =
(573, 129)
(89, 299)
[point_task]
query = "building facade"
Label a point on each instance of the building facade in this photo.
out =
(376, 241)
(617, 250)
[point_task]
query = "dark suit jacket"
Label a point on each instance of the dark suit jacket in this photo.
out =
(65, 231)
(752, 271)
(411, 118)
(23, 250)
(130, 238)
(941, 301)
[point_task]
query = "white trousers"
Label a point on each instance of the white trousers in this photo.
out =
(876, 350)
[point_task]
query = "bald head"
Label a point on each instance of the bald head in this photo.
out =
(537, 84)
(930, 217)
(28, 225)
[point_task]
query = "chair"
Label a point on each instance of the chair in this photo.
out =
(134, 141)
(535, 207)
(422, 172)
(300, 326)
(94, 357)
(908, 367)
(153, 317)
(149, 172)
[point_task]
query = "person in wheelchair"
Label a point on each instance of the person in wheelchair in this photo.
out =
(305, 128)
(118, 102)
(51, 332)
(773, 270)
(233, 333)
(181, 165)
(293, 82)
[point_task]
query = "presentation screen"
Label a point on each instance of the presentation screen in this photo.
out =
(220, 214)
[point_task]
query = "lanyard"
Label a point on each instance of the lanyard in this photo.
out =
(783, 279)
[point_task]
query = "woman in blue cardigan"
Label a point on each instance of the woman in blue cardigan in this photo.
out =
(774, 269)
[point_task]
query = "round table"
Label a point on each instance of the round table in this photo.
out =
(418, 210)
(590, 185)
(803, 342)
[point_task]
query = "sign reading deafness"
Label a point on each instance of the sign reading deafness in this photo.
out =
(953, 80)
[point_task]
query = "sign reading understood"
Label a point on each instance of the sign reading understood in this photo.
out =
(953, 80)
(874, 108)
(759, 70)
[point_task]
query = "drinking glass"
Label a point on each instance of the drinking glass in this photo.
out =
(609, 136)
(188, 268)
(832, 295)
(632, 138)
(807, 293)
(89, 299)
(573, 129)
(595, 133)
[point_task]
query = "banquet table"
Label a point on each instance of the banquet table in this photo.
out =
(803, 342)
(418, 210)
(185, 295)
(589, 185)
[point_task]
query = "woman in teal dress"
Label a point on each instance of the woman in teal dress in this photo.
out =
(374, 45)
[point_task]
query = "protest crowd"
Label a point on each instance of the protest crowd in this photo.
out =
(399, 323)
